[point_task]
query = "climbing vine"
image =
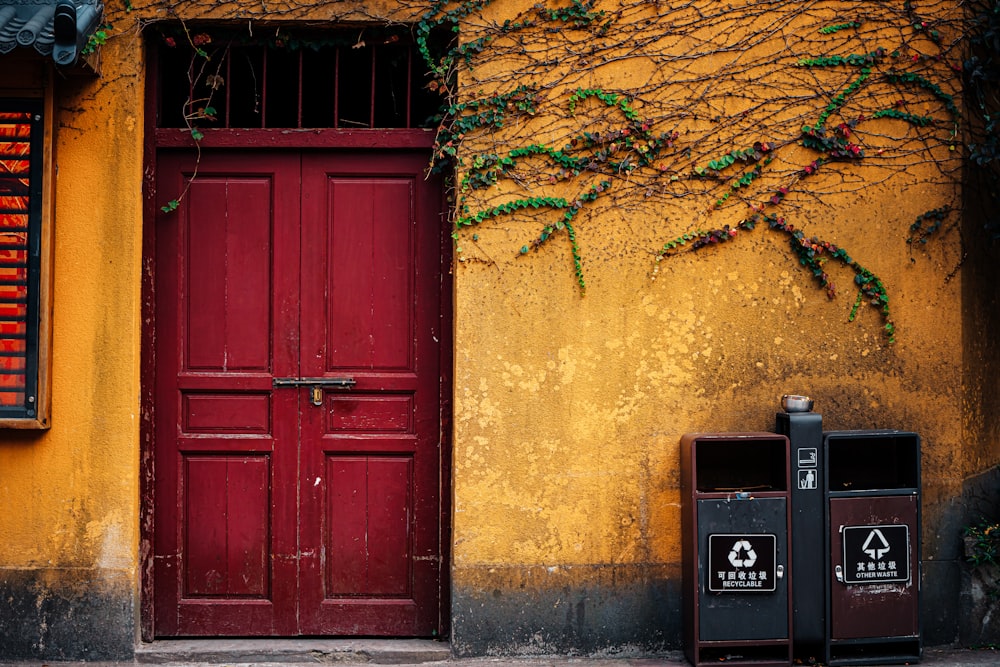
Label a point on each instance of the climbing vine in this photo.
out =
(708, 120)
(748, 119)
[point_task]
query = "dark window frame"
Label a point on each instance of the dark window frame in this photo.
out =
(33, 411)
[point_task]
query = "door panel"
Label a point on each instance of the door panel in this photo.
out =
(229, 257)
(296, 510)
(736, 616)
(371, 553)
(370, 246)
(226, 515)
(226, 469)
(368, 547)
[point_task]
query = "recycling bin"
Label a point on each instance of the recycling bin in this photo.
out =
(872, 491)
(735, 515)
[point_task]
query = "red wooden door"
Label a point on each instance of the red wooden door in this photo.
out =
(298, 453)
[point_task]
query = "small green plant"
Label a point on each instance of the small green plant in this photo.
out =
(982, 550)
(97, 40)
(983, 543)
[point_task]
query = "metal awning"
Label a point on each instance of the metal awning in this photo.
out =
(56, 28)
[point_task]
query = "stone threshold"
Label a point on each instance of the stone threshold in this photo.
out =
(302, 651)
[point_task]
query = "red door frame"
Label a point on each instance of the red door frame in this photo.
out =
(374, 140)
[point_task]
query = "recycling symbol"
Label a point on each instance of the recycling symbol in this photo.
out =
(742, 554)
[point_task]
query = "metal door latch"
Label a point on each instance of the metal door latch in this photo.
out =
(315, 385)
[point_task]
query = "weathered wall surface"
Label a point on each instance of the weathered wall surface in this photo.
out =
(569, 407)
(70, 495)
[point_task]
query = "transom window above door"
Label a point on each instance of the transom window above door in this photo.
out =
(350, 78)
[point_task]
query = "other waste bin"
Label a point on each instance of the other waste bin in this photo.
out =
(735, 517)
(872, 491)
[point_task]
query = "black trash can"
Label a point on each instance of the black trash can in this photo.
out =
(735, 515)
(872, 491)
(808, 531)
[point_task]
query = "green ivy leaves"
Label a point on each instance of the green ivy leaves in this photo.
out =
(837, 27)
(610, 99)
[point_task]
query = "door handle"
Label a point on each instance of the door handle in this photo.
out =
(315, 385)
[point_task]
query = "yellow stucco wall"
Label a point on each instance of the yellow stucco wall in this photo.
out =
(70, 494)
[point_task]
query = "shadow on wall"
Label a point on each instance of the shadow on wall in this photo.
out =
(979, 600)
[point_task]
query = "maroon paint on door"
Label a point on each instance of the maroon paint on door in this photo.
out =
(310, 509)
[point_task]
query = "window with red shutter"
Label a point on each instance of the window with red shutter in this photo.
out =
(23, 390)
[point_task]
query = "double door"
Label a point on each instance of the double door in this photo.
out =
(298, 449)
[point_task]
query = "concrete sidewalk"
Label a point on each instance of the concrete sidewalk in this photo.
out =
(425, 653)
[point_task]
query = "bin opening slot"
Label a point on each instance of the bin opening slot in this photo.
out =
(741, 465)
(860, 463)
